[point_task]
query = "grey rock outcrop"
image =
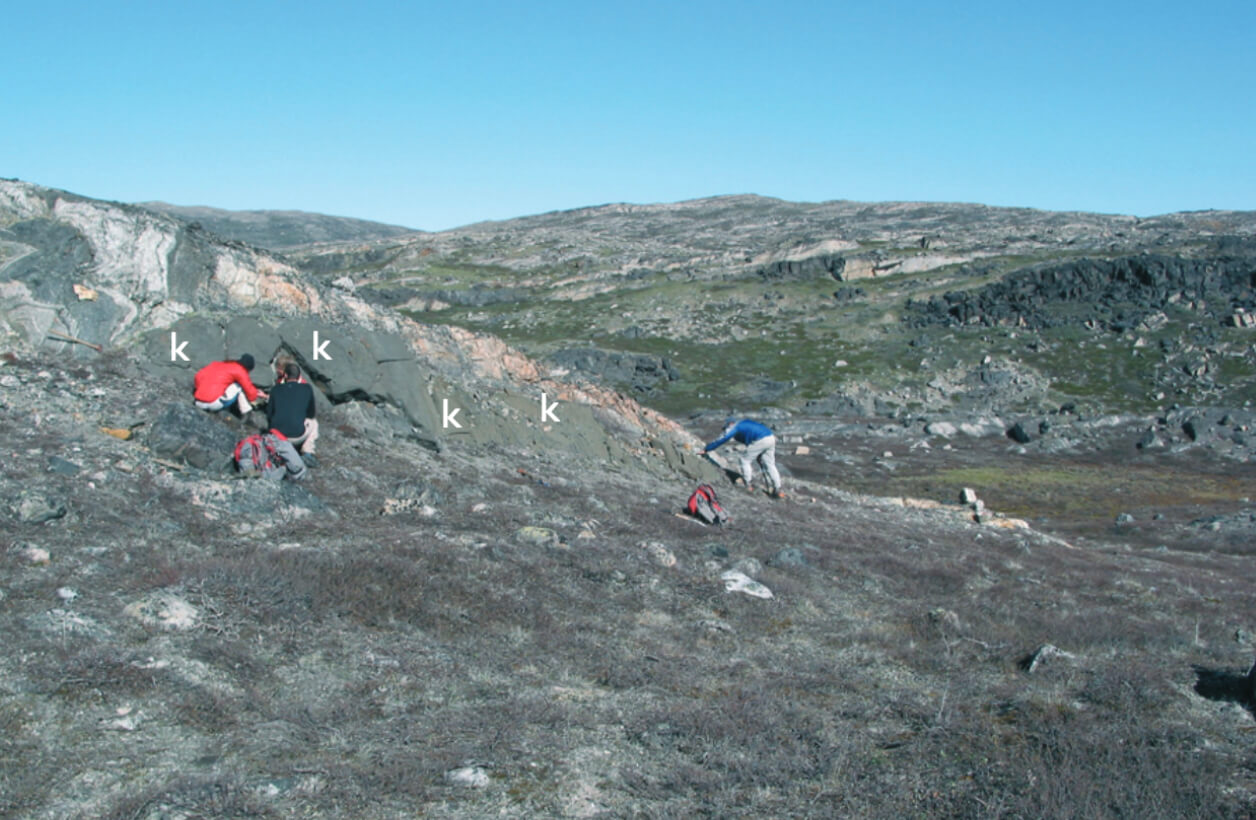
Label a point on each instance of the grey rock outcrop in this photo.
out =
(1116, 293)
(638, 372)
(120, 276)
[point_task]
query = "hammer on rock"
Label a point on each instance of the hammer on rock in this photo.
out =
(65, 337)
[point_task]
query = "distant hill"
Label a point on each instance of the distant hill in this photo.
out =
(747, 301)
(279, 230)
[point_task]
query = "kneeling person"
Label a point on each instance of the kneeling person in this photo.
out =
(290, 409)
(220, 385)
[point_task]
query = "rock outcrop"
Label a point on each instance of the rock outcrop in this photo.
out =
(185, 298)
(1119, 293)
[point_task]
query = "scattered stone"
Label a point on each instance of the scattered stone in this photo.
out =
(61, 466)
(1193, 427)
(1241, 319)
(1031, 662)
(1124, 518)
(537, 536)
(412, 497)
(1019, 434)
(715, 626)
(163, 610)
(659, 553)
(748, 566)
(941, 428)
(968, 496)
(475, 777)
(35, 555)
(67, 594)
(944, 619)
(735, 581)
(981, 428)
(33, 507)
(718, 551)
(788, 557)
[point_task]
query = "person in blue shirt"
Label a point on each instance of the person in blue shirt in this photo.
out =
(760, 447)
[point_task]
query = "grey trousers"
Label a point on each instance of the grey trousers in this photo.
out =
(764, 452)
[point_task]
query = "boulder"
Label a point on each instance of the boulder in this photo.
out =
(790, 557)
(192, 436)
(1018, 433)
(638, 372)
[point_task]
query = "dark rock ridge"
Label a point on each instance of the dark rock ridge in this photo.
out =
(278, 230)
(638, 372)
(1117, 293)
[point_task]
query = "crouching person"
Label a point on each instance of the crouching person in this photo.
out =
(220, 385)
(270, 455)
(290, 410)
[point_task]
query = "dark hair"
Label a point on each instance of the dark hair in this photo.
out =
(246, 361)
(291, 371)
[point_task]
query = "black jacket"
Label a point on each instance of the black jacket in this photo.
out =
(290, 404)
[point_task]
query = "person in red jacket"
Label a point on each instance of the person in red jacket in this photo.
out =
(222, 384)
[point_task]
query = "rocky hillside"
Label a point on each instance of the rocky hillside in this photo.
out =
(511, 617)
(279, 230)
(755, 302)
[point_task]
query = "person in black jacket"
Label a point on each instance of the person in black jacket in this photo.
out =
(290, 409)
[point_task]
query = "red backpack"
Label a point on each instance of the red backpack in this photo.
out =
(256, 453)
(704, 505)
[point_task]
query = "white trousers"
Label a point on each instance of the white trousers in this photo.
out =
(233, 394)
(764, 452)
(305, 441)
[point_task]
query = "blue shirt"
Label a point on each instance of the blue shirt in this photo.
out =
(744, 432)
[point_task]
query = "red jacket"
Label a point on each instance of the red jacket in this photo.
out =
(213, 379)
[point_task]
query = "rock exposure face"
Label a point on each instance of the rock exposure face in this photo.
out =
(185, 298)
(278, 230)
(1118, 293)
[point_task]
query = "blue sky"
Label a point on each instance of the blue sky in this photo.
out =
(438, 115)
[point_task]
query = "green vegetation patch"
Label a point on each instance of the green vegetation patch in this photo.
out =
(1076, 490)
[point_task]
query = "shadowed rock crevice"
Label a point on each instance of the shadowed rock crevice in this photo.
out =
(1227, 686)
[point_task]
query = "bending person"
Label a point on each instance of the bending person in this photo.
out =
(760, 445)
